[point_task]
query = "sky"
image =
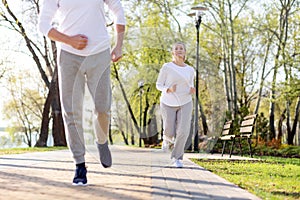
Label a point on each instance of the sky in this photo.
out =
(18, 61)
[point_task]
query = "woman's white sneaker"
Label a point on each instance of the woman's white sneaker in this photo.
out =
(178, 163)
(165, 146)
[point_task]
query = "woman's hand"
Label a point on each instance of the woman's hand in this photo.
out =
(171, 89)
(192, 90)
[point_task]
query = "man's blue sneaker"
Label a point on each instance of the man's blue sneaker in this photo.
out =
(80, 176)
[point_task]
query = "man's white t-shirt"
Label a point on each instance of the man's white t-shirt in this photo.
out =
(85, 17)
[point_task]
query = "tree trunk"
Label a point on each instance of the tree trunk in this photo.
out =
(51, 94)
(58, 130)
(232, 57)
(125, 98)
(227, 89)
(145, 135)
(119, 125)
(132, 135)
(203, 119)
(262, 78)
(282, 118)
(124, 137)
(110, 135)
(44, 132)
(204, 126)
(58, 133)
(272, 122)
(272, 133)
(298, 137)
(189, 141)
(282, 39)
(52, 101)
(152, 127)
(292, 133)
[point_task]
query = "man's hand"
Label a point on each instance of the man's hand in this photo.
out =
(116, 54)
(78, 41)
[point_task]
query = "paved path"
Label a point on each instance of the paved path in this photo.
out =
(136, 174)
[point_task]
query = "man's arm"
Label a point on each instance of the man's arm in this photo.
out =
(116, 53)
(119, 19)
(78, 41)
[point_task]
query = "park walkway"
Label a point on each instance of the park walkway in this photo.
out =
(136, 174)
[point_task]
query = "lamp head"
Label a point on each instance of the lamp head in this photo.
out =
(199, 8)
(140, 83)
(192, 14)
(196, 14)
(199, 11)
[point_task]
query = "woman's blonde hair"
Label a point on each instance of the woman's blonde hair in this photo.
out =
(181, 43)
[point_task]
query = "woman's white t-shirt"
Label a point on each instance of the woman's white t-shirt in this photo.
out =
(171, 74)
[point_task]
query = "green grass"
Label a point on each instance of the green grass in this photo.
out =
(29, 150)
(269, 178)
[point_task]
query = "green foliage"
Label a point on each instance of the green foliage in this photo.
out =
(244, 111)
(150, 34)
(261, 127)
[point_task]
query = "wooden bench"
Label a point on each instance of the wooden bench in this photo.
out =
(245, 132)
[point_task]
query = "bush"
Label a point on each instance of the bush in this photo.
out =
(286, 151)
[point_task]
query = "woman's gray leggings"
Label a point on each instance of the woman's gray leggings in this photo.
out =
(177, 124)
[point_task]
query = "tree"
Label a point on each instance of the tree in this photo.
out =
(242, 54)
(284, 10)
(146, 47)
(3, 70)
(46, 54)
(24, 110)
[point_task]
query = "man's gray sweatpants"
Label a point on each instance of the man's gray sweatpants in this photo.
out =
(177, 123)
(73, 72)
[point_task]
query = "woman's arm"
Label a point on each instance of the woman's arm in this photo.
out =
(161, 81)
(191, 82)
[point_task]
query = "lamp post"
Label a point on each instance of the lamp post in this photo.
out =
(198, 19)
(140, 85)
